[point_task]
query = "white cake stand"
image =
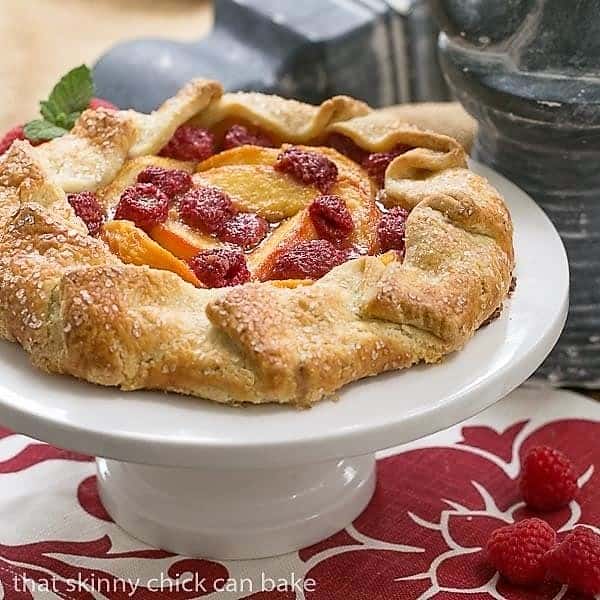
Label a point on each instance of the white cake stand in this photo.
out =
(201, 479)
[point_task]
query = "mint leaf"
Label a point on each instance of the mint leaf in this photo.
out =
(70, 96)
(61, 119)
(41, 130)
(47, 109)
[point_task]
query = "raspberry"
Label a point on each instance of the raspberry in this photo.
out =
(190, 143)
(16, 133)
(307, 260)
(308, 167)
(376, 163)
(517, 551)
(391, 230)
(96, 103)
(244, 229)
(220, 268)
(238, 135)
(88, 209)
(347, 147)
(206, 208)
(548, 480)
(576, 561)
(172, 182)
(331, 218)
(144, 204)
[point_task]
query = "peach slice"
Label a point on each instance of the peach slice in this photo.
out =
(181, 240)
(292, 231)
(133, 246)
(260, 189)
(243, 155)
(365, 215)
(248, 175)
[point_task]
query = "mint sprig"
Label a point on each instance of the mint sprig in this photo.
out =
(68, 99)
(41, 130)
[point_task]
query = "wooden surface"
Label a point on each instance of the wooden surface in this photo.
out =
(42, 39)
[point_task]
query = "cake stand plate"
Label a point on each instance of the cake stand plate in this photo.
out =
(202, 479)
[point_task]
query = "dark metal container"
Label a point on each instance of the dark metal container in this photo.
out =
(529, 72)
(381, 52)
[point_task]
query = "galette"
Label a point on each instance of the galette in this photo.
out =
(242, 247)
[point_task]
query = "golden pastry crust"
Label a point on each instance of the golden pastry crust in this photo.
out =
(287, 120)
(447, 118)
(78, 309)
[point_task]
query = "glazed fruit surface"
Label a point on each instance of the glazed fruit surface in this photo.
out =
(223, 208)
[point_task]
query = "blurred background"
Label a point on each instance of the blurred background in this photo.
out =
(46, 38)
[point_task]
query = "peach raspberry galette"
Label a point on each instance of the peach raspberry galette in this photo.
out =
(241, 247)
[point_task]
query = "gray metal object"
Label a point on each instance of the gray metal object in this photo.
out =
(529, 72)
(381, 52)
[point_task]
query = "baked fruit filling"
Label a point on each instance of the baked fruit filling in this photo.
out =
(224, 207)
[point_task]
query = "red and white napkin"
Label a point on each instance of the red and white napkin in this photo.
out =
(437, 500)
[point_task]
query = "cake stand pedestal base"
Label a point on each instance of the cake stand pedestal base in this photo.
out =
(235, 514)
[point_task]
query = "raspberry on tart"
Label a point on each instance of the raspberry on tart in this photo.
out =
(391, 230)
(173, 182)
(96, 103)
(144, 204)
(308, 260)
(308, 167)
(190, 143)
(239, 135)
(206, 209)
(15, 133)
(376, 163)
(88, 209)
(220, 268)
(244, 229)
(331, 218)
